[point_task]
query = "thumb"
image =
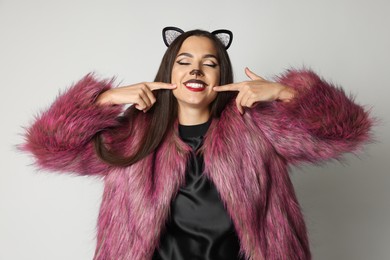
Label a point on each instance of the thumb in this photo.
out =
(252, 75)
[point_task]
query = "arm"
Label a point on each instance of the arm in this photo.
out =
(320, 122)
(60, 138)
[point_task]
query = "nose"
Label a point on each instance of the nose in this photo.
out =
(197, 72)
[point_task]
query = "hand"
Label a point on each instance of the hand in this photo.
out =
(256, 90)
(140, 95)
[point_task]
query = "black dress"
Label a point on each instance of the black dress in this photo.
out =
(199, 226)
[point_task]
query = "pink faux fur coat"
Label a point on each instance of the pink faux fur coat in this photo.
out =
(245, 156)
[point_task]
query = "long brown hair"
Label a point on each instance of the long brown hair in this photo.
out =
(163, 113)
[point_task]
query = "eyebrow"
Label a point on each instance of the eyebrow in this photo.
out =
(191, 56)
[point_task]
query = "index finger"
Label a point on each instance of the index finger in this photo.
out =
(160, 85)
(228, 87)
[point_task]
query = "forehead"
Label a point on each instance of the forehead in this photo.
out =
(198, 45)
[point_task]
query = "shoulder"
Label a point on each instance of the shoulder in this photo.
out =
(232, 122)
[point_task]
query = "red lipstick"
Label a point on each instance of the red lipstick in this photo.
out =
(195, 85)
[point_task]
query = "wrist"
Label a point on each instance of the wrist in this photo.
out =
(285, 93)
(104, 98)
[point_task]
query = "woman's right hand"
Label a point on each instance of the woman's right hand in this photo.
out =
(140, 95)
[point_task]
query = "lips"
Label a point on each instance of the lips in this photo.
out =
(195, 85)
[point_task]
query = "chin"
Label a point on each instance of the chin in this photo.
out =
(194, 101)
(195, 104)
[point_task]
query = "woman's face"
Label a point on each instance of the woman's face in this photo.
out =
(195, 72)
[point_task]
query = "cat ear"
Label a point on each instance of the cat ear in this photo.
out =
(225, 36)
(170, 34)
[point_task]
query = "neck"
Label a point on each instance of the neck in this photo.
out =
(193, 116)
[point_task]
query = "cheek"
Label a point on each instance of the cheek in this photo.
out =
(173, 76)
(216, 78)
(175, 91)
(176, 74)
(212, 96)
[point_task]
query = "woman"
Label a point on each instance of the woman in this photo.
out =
(197, 167)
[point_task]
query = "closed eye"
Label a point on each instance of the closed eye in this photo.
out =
(183, 63)
(208, 64)
(212, 65)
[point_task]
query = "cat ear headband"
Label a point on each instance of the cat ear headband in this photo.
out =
(171, 33)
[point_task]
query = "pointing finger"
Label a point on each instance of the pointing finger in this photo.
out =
(252, 75)
(160, 85)
(228, 87)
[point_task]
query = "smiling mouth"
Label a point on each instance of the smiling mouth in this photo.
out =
(195, 85)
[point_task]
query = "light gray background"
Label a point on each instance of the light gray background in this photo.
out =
(47, 45)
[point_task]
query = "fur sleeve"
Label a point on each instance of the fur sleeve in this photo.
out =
(321, 123)
(60, 138)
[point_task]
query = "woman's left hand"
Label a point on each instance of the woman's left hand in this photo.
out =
(257, 90)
